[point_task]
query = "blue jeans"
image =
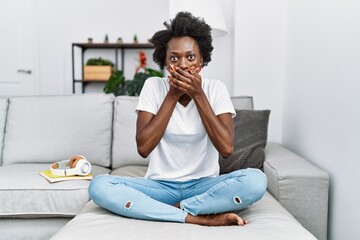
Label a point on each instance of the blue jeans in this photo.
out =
(150, 199)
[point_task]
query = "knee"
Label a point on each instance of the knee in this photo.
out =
(96, 186)
(257, 179)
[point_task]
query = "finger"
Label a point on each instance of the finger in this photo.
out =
(183, 79)
(178, 74)
(195, 72)
(180, 84)
(193, 69)
(183, 73)
(172, 84)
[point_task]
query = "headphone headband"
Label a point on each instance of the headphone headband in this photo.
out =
(77, 165)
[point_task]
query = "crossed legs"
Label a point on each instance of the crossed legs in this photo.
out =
(206, 201)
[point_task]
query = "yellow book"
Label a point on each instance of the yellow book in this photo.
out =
(53, 178)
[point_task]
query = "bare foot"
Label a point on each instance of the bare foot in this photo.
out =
(223, 219)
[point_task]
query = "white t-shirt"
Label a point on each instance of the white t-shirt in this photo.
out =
(185, 152)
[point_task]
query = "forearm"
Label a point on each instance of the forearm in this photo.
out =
(219, 133)
(149, 134)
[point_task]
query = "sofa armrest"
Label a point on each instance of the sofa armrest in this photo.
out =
(299, 186)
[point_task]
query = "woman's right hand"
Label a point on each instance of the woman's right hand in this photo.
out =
(174, 92)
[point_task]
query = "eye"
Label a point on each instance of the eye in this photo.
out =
(173, 58)
(191, 57)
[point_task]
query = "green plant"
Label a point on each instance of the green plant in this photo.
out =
(116, 79)
(99, 62)
(129, 87)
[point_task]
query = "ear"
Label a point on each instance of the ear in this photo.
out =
(201, 61)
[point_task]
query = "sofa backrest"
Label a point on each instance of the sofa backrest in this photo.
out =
(52, 128)
(243, 103)
(3, 111)
(124, 152)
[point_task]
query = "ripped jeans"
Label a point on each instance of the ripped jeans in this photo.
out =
(149, 199)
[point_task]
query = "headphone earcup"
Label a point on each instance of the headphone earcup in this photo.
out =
(74, 160)
(84, 167)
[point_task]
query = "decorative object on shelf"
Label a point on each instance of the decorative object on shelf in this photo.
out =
(106, 39)
(98, 69)
(90, 40)
(142, 61)
(136, 39)
(119, 86)
(119, 40)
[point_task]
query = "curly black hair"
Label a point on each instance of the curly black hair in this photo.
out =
(184, 24)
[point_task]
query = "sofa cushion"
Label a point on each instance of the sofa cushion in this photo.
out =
(25, 193)
(3, 112)
(53, 128)
(250, 132)
(124, 144)
(30, 229)
(243, 102)
(267, 220)
(130, 171)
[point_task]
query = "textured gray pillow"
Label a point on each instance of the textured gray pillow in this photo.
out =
(250, 140)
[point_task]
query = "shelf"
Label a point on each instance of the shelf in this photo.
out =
(90, 81)
(115, 45)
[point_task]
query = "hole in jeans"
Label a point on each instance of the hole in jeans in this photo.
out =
(128, 204)
(237, 200)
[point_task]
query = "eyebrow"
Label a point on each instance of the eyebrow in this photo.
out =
(190, 51)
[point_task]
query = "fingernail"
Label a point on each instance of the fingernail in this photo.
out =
(199, 68)
(173, 67)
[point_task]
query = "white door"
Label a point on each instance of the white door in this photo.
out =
(18, 48)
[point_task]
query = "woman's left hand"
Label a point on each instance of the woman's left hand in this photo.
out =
(189, 82)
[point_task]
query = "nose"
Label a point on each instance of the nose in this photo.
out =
(183, 64)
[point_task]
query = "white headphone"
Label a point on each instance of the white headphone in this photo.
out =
(77, 165)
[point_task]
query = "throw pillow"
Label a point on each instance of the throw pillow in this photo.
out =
(250, 134)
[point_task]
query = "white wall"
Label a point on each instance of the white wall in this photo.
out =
(322, 100)
(259, 56)
(61, 23)
(222, 58)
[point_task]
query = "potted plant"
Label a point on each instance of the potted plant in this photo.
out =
(119, 86)
(98, 69)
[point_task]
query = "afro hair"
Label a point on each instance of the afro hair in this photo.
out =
(184, 24)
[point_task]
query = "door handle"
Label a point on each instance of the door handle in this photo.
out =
(24, 71)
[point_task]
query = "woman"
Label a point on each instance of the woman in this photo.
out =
(183, 123)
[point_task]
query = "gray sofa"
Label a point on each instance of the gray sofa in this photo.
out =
(36, 131)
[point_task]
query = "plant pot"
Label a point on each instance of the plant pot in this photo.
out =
(97, 73)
